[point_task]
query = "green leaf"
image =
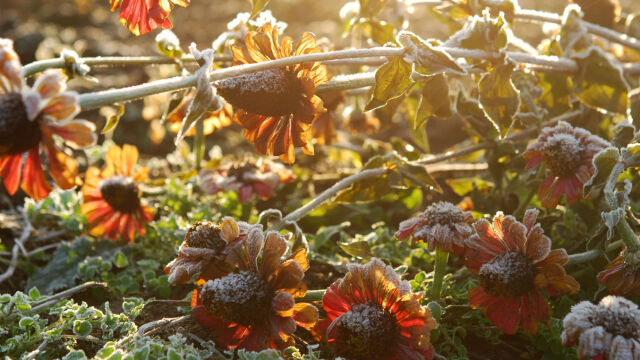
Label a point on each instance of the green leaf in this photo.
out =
(371, 8)
(392, 80)
(499, 97)
(471, 112)
(359, 249)
(75, 355)
(428, 54)
(611, 219)
(119, 260)
(113, 119)
(34, 294)
(380, 32)
(463, 186)
(603, 162)
(623, 133)
(82, 327)
(257, 6)
(600, 84)
(435, 100)
(484, 33)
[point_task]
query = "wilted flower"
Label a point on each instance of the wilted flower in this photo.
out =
(142, 16)
(607, 331)
(442, 224)
(254, 306)
(622, 275)
(29, 117)
(277, 106)
(204, 250)
(323, 128)
(515, 262)
(245, 177)
(211, 121)
(112, 198)
(372, 314)
(360, 122)
(567, 152)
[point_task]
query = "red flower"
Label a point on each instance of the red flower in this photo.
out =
(245, 177)
(142, 16)
(567, 152)
(29, 117)
(607, 331)
(622, 275)
(515, 262)
(442, 224)
(372, 314)
(276, 107)
(254, 307)
(111, 196)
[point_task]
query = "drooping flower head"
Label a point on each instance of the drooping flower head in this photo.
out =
(622, 275)
(204, 250)
(515, 263)
(212, 121)
(607, 331)
(442, 224)
(29, 117)
(323, 129)
(372, 314)
(276, 107)
(253, 307)
(246, 177)
(111, 196)
(567, 152)
(142, 16)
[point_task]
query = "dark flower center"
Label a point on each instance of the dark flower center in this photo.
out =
(367, 331)
(121, 193)
(17, 133)
(205, 234)
(238, 170)
(273, 92)
(618, 320)
(509, 274)
(444, 213)
(243, 298)
(562, 154)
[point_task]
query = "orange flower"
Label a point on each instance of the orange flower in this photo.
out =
(567, 152)
(515, 262)
(622, 275)
(245, 177)
(111, 196)
(204, 250)
(372, 314)
(142, 16)
(29, 117)
(254, 306)
(276, 107)
(441, 224)
(607, 331)
(212, 121)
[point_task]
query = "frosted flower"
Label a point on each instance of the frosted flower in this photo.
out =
(442, 224)
(276, 107)
(607, 331)
(205, 248)
(372, 314)
(111, 198)
(29, 119)
(253, 305)
(246, 177)
(622, 275)
(567, 152)
(515, 262)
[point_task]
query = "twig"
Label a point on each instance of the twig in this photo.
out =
(168, 301)
(34, 251)
(55, 298)
(18, 244)
(152, 327)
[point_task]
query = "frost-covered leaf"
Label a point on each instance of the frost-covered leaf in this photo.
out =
(435, 100)
(379, 31)
(113, 118)
(393, 79)
(499, 97)
(623, 133)
(428, 54)
(611, 219)
(603, 162)
(600, 82)
(483, 33)
(471, 112)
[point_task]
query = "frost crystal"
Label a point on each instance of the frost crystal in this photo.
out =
(509, 274)
(563, 153)
(366, 331)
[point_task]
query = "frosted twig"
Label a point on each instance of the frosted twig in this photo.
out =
(55, 298)
(152, 327)
(592, 254)
(18, 244)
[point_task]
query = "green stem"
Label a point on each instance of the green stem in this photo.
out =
(589, 255)
(628, 236)
(199, 143)
(312, 295)
(438, 272)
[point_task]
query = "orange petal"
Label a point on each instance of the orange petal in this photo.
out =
(80, 133)
(34, 183)
(11, 171)
(305, 315)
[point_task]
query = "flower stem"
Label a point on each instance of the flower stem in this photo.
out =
(312, 295)
(624, 229)
(589, 255)
(438, 272)
(199, 143)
